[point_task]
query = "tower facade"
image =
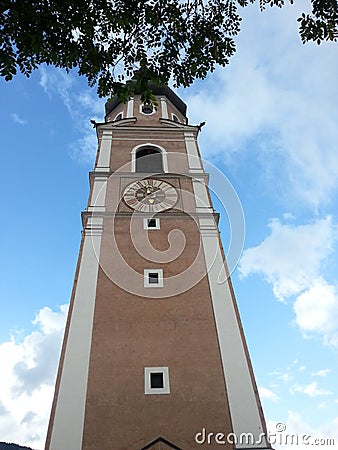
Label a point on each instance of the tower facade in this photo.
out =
(154, 355)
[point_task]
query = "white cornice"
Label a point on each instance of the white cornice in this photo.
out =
(135, 175)
(111, 126)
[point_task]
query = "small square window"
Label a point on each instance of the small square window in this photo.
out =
(153, 278)
(156, 380)
(151, 224)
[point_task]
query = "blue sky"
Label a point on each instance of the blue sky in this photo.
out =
(272, 129)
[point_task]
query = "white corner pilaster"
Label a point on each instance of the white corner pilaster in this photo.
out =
(202, 200)
(130, 108)
(194, 161)
(98, 197)
(103, 163)
(68, 424)
(244, 408)
(164, 108)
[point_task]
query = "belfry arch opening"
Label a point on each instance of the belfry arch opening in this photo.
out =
(149, 160)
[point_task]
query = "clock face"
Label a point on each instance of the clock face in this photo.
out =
(150, 195)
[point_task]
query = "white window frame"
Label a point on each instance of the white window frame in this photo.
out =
(172, 118)
(147, 114)
(147, 227)
(147, 377)
(156, 147)
(153, 285)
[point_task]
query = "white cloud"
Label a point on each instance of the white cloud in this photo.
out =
(28, 371)
(44, 78)
(82, 105)
(17, 119)
(317, 311)
(311, 390)
(291, 257)
(50, 321)
(266, 393)
(55, 80)
(288, 216)
(321, 373)
(322, 405)
(84, 148)
(300, 435)
(91, 102)
(317, 308)
(275, 103)
(286, 377)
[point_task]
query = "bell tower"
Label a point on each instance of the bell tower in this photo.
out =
(154, 355)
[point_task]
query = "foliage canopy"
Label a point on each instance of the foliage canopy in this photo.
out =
(114, 41)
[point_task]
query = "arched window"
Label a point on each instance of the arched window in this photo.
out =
(149, 160)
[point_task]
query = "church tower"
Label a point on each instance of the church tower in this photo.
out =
(154, 355)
